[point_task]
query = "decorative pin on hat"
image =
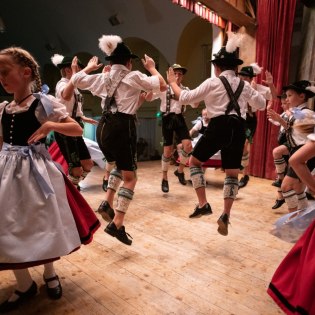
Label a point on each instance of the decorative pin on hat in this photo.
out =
(176, 66)
(227, 55)
(64, 61)
(114, 47)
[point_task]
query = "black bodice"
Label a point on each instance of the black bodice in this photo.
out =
(17, 128)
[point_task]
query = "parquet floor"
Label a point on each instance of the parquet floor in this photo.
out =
(175, 265)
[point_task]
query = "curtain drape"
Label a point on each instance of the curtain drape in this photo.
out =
(275, 20)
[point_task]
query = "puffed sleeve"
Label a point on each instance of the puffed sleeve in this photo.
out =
(50, 109)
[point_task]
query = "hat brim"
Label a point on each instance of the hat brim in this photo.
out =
(68, 65)
(227, 61)
(131, 56)
(181, 68)
(246, 74)
(293, 87)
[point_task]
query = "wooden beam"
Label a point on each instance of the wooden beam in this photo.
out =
(231, 13)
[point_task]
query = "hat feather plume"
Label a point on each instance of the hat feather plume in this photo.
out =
(234, 41)
(108, 43)
(311, 88)
(56, 59)
(256, 68)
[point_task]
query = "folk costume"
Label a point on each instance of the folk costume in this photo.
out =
(43, 216)
(73, 149)
(116, 132)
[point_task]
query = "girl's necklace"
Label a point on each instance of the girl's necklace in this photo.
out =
(22, 100)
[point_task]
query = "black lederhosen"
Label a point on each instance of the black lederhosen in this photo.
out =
(250, 126)
(225, 133)
(310, 163)
(116, 136)
(73, 149)
(174, 123)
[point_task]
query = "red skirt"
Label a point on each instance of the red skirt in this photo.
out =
(57, 156)
(293, 284)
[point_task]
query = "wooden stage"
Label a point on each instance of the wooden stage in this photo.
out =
(175, 265)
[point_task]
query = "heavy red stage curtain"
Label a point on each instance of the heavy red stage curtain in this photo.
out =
(275, 20)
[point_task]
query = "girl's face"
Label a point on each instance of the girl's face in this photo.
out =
(294, 98)
(12, 75)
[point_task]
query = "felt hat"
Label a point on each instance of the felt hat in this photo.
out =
(302, 86)
(114, 47)
(282, 96)
(222, 57)
(64, 61)
(247, 72)
(176, 66)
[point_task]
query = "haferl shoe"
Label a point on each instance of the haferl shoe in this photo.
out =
(105, 184)
(198, 212)
(181, 177)
(278, 203)
(223, 223)
(164, 186)
(106, 211)
(277, 182)
(120, 233)
(8, 306)
(243, 181)
(56, 292)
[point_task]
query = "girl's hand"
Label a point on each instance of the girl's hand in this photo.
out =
(269, 78)
(74, 65)
(41, 132)
(273, 115)
(93, 65)
(106, 69)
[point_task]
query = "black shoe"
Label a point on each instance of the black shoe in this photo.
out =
(164, 186)
(8, 306)
(105, 184)
(243, 181)
(198, 212)
(181, 177)
(277, 182)
(120, 233)
(278, 203)
(56, 292)
(309, 196)
(106, 211)
(223, 223)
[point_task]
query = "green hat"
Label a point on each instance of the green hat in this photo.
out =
(176, 66)
(300, 87)
(247, 72)
(224, 58)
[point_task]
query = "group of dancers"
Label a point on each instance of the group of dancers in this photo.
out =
(40, 192)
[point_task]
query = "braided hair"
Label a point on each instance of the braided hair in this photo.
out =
(25, 59)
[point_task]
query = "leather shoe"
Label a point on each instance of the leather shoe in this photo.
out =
(181, 177)
(243, 181)
(223, 223)
(106, 211)
(278, 203)
(105, 184)
(56, 292)
(120, 233)
(8, 306)
(198, 212)
(164, 186)
(277, 182)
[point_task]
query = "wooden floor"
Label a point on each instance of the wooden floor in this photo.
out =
(175, 265)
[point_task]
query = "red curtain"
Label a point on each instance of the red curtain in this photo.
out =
(275, 20)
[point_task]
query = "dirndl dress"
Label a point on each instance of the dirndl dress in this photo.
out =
(42, 216)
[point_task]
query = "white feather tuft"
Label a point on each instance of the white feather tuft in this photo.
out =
(256, 68)
(311, 88)
(234, 41)
(108, 43)
(56, 59)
